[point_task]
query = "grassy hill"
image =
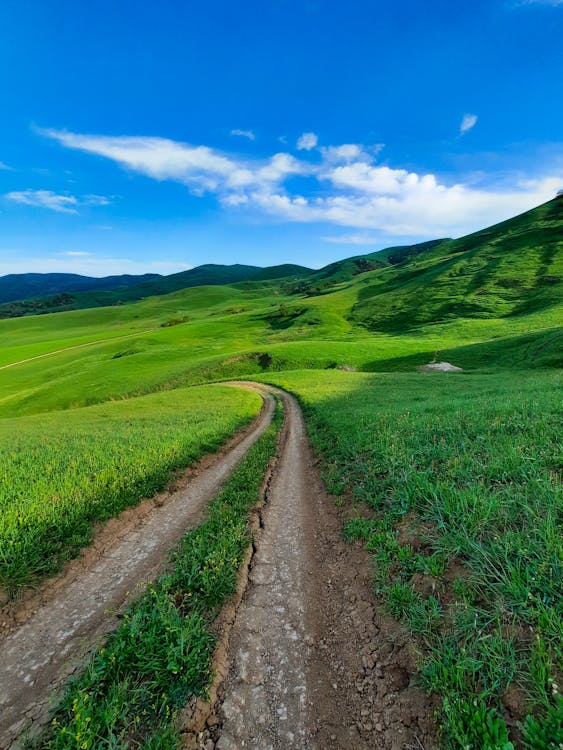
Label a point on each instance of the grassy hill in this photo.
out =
(514, 268)
(485, 301)
(451, 481)
(70, 292)
(21, 286)
(106, 292)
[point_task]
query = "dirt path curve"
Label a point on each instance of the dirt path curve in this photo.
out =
(310, 666)
(40, 655)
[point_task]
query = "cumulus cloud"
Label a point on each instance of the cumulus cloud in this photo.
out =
(62, 203)
(468, 122)
(347, 187)
(422, 208)
(349, 152)
(244, 134)
(307, 142)
(199, 167)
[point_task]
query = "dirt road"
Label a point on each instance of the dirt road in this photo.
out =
(312, 664)
(37, 657)
(310, 667)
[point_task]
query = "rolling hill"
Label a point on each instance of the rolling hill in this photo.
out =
(70, 292)
(506, 270)
(21, 286)
(451, 482)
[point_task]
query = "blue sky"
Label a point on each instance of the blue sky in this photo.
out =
(139, 136)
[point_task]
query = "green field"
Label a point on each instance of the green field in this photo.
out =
(134, 687)
(462, 476)
(454, 480)
(62, 472)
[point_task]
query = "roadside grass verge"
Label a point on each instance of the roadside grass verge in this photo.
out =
(60, 473)
(463, 478)
(133, 688)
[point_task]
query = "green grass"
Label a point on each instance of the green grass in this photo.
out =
(132, 689)
(488, 300)
(470, 464)
(62, 472)
(468, 470)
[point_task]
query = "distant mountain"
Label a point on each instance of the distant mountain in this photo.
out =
(512, 268)
(286, 270)
(20, 286)
(31, 294)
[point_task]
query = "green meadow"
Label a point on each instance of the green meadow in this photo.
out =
(462, 478)
(62, 472)
(134, 687)
(453, 480)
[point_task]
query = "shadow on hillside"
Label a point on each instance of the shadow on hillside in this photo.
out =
(527, 351)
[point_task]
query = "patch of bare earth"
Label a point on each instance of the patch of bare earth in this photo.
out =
(312, 664)
(47, 635)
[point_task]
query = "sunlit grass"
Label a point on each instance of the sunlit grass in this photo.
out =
(133, 687)
(472, 465)
(61, 472)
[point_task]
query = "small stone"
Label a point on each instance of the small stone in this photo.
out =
(226, 743)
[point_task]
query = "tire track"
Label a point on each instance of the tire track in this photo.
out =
(312, 666)
(38, 657)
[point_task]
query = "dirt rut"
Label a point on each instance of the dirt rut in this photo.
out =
(37, 657)
(311, 663)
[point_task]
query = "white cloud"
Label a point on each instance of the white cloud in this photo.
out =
(66, 204)
(45, 199)
(244, 134)
(95, 200)
(422, 208)
(360, 238)
(349, 152)
(553, 3)
(369, 179)
(199, 167)
(5, 166)
(345, 188)
(468, 122)
(86, 264)
(307, 142)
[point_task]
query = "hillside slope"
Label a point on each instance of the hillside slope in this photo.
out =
(20, 286)
(108, 291)
(209, 274)
(511, 269)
